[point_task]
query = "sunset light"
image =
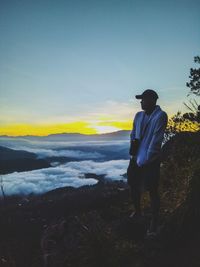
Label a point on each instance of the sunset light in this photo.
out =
(73, 127)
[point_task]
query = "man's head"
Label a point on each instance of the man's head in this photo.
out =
(148, 99)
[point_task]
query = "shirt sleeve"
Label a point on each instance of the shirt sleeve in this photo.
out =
(132, 134)
(158, 135)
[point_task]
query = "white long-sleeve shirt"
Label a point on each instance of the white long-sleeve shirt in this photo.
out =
(150, 145)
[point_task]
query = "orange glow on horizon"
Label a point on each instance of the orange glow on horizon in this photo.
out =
(81, 127)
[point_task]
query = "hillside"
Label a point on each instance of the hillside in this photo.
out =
(90, 226)
(18, 160)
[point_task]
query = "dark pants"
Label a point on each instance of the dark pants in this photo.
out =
(142, 179)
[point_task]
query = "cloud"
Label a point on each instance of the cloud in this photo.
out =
(78, 150)
(69, 174)
(113, 169)
(118, 111)
(113, 114)
(44, 153)
(23, 143)
(40, 181)
(46, 149)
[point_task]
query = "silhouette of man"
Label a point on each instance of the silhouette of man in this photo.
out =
(145, 149)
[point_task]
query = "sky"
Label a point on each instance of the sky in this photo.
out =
(75, 66)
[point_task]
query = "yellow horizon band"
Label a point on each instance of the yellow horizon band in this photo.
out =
(81, 127)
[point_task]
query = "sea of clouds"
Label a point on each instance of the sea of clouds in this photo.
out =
(78, 150)
(97, 157)
(69, 174)
(44, 153)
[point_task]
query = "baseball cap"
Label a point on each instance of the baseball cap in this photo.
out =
(147, 93)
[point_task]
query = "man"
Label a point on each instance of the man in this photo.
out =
(148, 130)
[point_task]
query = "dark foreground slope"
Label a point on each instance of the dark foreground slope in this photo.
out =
(90, 226)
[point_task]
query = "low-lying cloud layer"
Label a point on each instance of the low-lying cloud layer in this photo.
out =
(44, 153)
(76, 150)
(69, 174)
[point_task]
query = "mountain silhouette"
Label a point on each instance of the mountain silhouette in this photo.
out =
(19, 160)
(118, 135)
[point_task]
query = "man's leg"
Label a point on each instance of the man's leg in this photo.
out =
(155, 206)
(136, 198)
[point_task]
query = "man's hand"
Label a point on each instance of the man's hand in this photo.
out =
(134, 145)
(130, 151)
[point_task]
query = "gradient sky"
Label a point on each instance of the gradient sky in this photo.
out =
(75, 66)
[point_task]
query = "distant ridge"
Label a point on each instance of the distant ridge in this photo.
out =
(12, 160)
(118, 135)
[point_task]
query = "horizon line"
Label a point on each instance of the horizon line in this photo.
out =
(5, 135)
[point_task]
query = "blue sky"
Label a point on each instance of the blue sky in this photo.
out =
(63, 61)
